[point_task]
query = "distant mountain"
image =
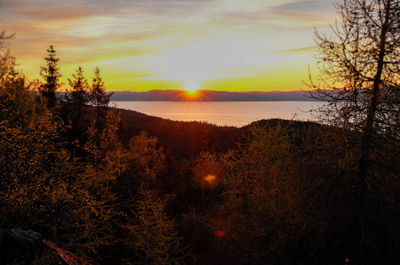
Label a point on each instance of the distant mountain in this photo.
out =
(209, 95)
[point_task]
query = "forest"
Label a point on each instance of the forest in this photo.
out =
(115, 186)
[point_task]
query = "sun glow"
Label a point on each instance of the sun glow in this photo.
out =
(191, 90)
(228, 45)
(191, 86)
(190, 95)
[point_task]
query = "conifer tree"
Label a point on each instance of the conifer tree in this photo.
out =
(41, 188)
(360, 81)
(145, 162)
(107, 156)
(154, 236)
(51, 74)
(259, 196)
(75, 109)
(80, 86)
(98, 98)
(360, 66)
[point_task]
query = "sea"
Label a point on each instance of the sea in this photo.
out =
(236, 114)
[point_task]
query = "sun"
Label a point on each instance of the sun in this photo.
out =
(191, 87)
(191, 90)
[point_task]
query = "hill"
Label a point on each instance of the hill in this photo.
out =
(186, 140)
(209, 95)
(180, 139)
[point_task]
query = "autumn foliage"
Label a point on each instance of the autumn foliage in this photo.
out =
(119, 187)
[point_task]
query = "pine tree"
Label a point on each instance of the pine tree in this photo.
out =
(41, 188)
(51, 75)
(79, 84)
(98, 98)
(75, 110)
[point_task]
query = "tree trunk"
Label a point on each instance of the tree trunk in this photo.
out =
(368, 132)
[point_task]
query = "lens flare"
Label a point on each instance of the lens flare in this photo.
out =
(219, 233)
(209, 181)
(219, 227)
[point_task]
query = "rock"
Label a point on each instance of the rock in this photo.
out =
(28, 247)
(20, 246)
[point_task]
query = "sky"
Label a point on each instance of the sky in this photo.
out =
(141, 45)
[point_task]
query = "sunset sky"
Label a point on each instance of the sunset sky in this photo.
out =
(140, 45)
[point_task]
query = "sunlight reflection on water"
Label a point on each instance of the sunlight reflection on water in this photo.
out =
(224, 113)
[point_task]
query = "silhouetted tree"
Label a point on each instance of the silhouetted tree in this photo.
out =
(51, 75)
(41, 188)
(99, 99)
(360, 74)
(75, 109)
(98, 96)
(79, 94)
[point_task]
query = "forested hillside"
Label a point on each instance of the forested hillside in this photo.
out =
(114, 186)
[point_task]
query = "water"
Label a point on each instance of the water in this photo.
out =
(224, 113)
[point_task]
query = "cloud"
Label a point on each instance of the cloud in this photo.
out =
(305, 10)
(141, 35)
(305, 6)
(55, 13)
(297, 50)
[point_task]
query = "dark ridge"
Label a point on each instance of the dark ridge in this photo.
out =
(209, 95)
(182, 139)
